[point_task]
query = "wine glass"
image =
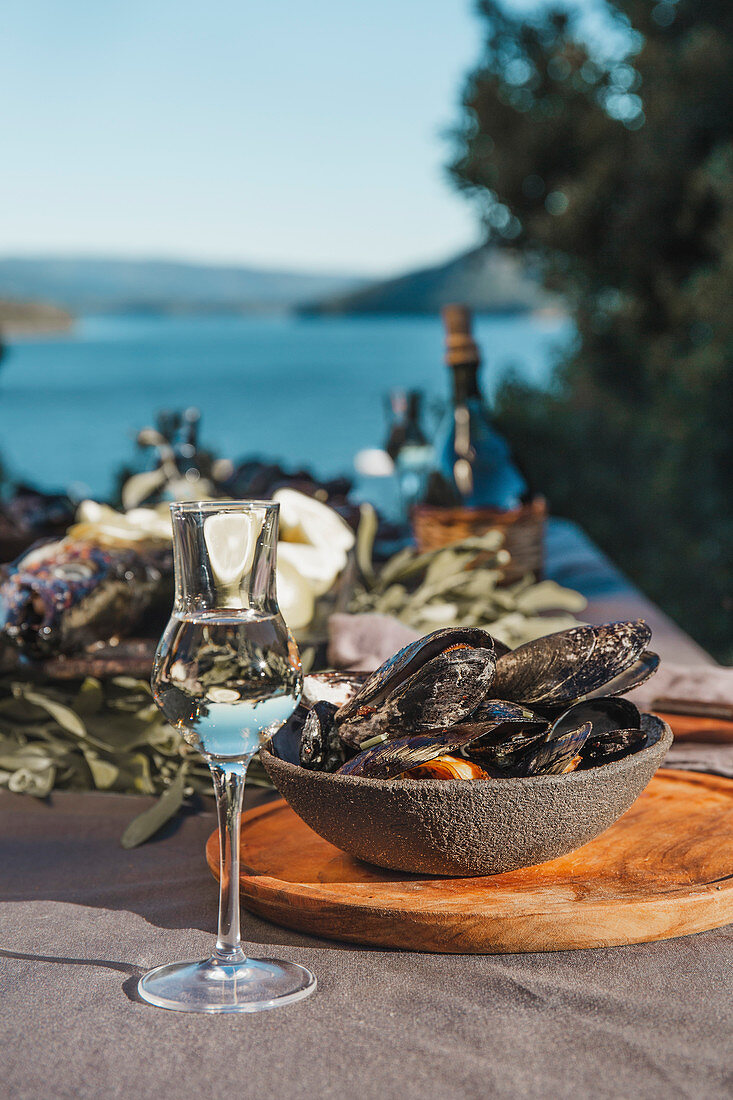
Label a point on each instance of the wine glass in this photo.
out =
(227, 674)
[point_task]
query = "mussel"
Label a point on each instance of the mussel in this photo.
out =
(549, 707)
(285, 744)
(447, 767)
(321, 749)
(431, 683)
(615, 729)
(581, 663)
(559, 753)
(392, 757)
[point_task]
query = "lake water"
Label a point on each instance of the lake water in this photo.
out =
(301, 390)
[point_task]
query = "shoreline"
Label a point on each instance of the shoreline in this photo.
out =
(29, 319)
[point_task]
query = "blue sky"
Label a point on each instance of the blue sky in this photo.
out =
(297, 133)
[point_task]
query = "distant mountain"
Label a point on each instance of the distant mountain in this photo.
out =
(488, 280)
(85, 285)
(31, 318)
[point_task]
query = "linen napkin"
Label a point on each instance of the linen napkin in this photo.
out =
(365, 641)
(707, 684)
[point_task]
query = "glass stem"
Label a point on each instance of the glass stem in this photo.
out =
(229, 786)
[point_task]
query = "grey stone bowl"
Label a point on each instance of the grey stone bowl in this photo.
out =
(468, 827)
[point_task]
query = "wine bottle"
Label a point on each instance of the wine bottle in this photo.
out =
(403, 409)
(408, 446)
(474, 463)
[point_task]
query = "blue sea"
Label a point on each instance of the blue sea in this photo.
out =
(305, 391)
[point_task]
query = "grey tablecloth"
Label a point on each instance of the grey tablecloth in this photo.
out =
(81, 918)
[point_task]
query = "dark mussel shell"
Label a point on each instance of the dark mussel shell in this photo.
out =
(638, 673)
(442, 692)
(615, 728)
(611, 746)
(556, 755)
(505, 732)
(285, 744)
(508, 753)
(567, 666)
(603, 714)
(498, 711)
(408, 660)
(392, 757)
(320, 746)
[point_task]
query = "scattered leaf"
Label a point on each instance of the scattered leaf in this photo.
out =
(29, 781)
(365, 536)
(148, 823)
(90, 697)
(65, 716)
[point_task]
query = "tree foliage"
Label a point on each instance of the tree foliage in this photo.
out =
(615, 175)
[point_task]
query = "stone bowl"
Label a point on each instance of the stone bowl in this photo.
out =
(457, 827)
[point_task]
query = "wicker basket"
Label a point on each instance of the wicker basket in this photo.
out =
(523, 529)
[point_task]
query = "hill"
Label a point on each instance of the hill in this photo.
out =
(86, 285)
(487, 279)
(32, 318)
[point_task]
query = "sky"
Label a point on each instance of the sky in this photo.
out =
(300, 134)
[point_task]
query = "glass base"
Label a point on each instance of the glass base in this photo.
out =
(248, 985)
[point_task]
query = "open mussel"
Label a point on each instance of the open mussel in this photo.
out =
(392, 757)
(505, 734)
(544, 753)
(526, 743)
(579, 663)
(616, 729)
(612, 745)
(492, 725)
(432, 683)
(558, 754)
(603, 714)
(447, 767)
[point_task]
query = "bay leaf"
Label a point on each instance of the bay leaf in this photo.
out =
(64, 715)
(132, 683)
(90, 697)
(366, 533)
(29, 781)
(307, 657)
(146, 824)
(104, 773)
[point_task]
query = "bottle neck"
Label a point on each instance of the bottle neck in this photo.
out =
(465, 382)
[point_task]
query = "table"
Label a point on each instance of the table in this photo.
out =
(573, 560)
(81, 919)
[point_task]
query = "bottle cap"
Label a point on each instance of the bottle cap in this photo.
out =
(460, 346)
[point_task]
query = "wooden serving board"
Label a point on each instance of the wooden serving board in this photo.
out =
(693, 727)
(664, 869)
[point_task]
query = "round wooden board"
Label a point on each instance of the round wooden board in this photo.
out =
(664, 869)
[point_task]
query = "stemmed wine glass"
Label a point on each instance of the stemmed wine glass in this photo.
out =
(227, 674)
